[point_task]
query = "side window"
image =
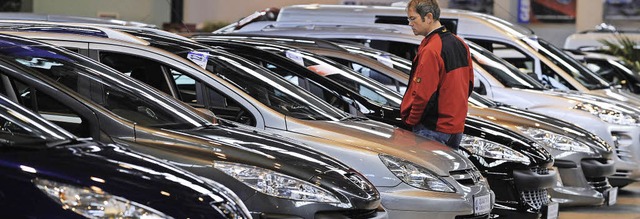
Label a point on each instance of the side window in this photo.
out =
(375, 75)
(132, 108)
(511, 54)
(551, 78)
(224, 107)
(51, 109)
(140, 68)
(187, 88)
(315, 88)
(605, 71)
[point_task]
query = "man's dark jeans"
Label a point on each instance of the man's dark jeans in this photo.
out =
(451, 140)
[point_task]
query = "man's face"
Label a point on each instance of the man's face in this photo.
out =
(418, 26)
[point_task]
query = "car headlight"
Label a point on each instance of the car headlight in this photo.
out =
(276, 184)
(556, 141)
(493, 150)
(95, 203)
(607, 115)
(415, 175)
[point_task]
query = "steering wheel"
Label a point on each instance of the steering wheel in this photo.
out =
(241, 118)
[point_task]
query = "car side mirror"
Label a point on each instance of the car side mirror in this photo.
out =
(476, 82)
(207, 114)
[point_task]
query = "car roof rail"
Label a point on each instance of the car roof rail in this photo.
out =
(69, 28)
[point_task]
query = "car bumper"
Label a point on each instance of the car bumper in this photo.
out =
(626, 143)
(581, 180)
(404, 201)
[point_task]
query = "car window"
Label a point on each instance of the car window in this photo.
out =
(97, 83)
(507, 74)
(344, 75)
(404, 50)
(568, 64)
(605, 70)
(373, 74)
(269, 89)
(51, 109)
(310, 85)
(525, 64)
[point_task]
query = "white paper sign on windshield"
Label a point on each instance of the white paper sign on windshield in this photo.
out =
(199, 58)
(385, 59)
(296, 56)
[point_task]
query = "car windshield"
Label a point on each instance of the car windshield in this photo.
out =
(577, 70)
(366, 87)
(19, 126)
(267, 87)
(117, 93)
(501, 70)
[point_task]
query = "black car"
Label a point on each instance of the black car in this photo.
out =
(46, 172)
(272, 175)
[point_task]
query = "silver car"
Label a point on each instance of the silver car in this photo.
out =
(243, 92)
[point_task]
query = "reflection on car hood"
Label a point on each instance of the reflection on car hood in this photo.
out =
(510, 117)
(385, 139)
(268, 151)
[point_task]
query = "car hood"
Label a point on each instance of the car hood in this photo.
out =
(269, 151)
(384, 139)
(510, 117)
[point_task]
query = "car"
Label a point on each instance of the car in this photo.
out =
(272, 175)
(47, 172)
(237, 90)
(476, 130)
(591, 39)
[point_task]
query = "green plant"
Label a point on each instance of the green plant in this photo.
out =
(625, 48)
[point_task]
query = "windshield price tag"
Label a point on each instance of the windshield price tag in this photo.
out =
(296, 56)
(385, 59)
(199, 58)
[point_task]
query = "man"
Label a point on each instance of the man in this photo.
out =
(435, 103)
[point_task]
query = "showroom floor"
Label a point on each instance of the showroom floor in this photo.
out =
(628, 207)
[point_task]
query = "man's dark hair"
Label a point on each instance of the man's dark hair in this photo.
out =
(424, 7)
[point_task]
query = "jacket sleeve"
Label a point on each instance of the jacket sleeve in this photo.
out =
(425, 83)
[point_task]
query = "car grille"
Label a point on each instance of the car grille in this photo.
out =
(535, 198)
(600, 184)
(473, 216)
(360, 214)
(540, 170)
(622, 173)
(466, 177)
